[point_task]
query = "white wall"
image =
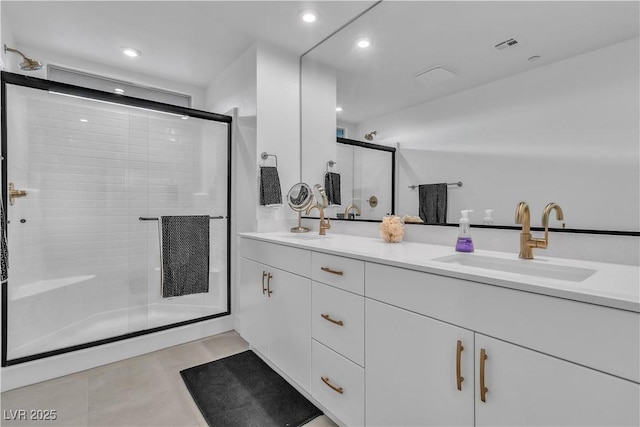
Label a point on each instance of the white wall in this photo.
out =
(278, 124)
(571, 127)
(235, 88)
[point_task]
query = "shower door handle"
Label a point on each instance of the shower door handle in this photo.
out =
(14, 194)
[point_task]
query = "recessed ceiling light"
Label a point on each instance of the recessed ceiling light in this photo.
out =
(131, 52)
(118, 90)
(534, 58)
(84, 120)
(338, 109)
(363, 43)
(309, 16)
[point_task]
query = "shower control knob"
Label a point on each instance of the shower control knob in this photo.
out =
(22, 220)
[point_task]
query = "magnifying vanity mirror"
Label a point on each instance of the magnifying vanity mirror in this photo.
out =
(299, 198)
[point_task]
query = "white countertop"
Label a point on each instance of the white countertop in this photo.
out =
(613, 285)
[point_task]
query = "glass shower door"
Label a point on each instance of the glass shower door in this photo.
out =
(83, 266)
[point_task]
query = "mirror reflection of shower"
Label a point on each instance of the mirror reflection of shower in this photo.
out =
(28, 64)
(369, 136)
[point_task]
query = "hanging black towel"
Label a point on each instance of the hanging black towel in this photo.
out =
(432, 203)
(270, 193)
(185, 255)
(332, 188)
(4, 253)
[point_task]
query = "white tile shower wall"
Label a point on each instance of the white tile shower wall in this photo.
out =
(82, 244)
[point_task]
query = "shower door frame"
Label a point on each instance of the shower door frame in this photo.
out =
(98, 95)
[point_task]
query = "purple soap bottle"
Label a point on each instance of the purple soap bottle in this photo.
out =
(465, 244)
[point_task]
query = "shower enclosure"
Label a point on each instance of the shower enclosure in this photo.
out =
(86, 174)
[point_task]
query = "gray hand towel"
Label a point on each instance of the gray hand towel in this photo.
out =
(332, 188)
(432, 203)
(185, 255)
(270, 192)
(4, 253)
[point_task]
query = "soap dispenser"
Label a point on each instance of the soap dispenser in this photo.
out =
(464, 244)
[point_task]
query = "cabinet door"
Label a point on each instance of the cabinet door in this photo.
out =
(290, 325)
(411, 369)
(527, 388)
(252, 305)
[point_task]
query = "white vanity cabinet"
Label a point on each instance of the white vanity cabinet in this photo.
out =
(274, 305)
(387, 342)
(411, 361)
(528, 388)
(419, 370)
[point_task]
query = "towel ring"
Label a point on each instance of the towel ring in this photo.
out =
(330, 164)
(265, 155)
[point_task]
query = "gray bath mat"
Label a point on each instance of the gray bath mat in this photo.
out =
(242, 390)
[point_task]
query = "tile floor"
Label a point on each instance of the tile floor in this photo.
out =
(142, 391)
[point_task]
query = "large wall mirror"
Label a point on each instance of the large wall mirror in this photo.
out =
(520, 101)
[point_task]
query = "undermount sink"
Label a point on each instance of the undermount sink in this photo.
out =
(538, 268)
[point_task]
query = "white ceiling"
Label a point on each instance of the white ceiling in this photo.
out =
(184, 41)
(411, 37)
(192, 41)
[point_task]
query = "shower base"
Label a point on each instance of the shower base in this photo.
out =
(112, 324)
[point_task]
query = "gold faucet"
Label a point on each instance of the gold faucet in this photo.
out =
(352, 206)
(527, 242)
(324, 224)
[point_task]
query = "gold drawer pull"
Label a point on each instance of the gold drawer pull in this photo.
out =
(337, 389)
(328, 270)
(483, 389)
(459, 378)
(327, 317)
(269, 291)
(264, 274)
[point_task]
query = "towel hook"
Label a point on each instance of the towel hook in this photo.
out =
(265, 155)
(330, 164)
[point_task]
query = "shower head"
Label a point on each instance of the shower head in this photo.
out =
(28, 64)
(369, 136)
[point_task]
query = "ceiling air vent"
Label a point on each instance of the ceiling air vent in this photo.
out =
(505, 44)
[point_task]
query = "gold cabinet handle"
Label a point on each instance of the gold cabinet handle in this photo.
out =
(328, 270)
(483, 389)
(264, 274)
(327, 317)
(328, 383)
(459, 378)
(269, 291)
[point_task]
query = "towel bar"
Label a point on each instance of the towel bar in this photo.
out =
(144, 218)
(459, 184)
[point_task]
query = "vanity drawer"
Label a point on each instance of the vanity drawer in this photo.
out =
(346, 401)
(338, 321)
(344, 273)
(293, 260)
